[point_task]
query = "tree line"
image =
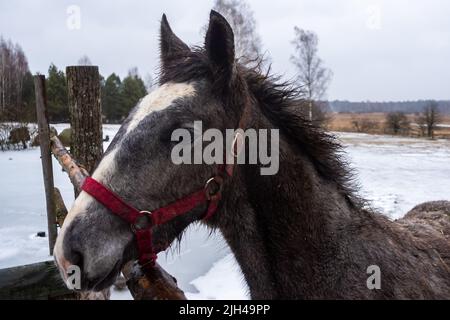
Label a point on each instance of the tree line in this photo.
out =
(386, 107)
(16, 83)
(118, 96)
(426, 121)
(422, 124)
(17, 98)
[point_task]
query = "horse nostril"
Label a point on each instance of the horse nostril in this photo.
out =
(75, 258)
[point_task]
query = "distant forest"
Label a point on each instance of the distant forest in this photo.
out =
(385, 107)
(17, 99)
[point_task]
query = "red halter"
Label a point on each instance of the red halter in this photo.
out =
(142, 222)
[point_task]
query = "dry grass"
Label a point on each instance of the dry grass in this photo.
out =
(375, 123)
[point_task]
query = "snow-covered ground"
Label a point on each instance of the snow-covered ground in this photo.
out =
(395, 173)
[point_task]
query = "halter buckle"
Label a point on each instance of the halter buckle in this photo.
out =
(213, 187)
(143, 222)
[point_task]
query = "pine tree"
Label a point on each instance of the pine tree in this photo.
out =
(132, 90)
(29, 98)
(58, 110)
(111, 99)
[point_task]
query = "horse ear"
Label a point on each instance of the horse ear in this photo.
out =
(219, 45)
(171, 46)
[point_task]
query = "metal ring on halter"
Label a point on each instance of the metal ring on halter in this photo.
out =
(142, 222)
(218, 180)
(233, 146)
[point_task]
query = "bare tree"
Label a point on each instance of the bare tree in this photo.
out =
(397, 123)
(5, 66)
(241, 18)
(311, 73)
(430, 118)
(422, 124)
(364, 124)
(84, 61)
(21, 69)
(321, 111)
(13, 72)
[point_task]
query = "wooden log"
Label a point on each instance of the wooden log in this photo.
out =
(60, 207)
(83, 87)
(76, 172)
(46, 158)
(86, 141)
(39, 281)
(156, 284)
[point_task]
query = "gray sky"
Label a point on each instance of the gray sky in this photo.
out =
(377, 49)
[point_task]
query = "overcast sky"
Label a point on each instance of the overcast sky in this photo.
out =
(377, 49)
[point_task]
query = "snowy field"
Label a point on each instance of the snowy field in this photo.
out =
(395, 174)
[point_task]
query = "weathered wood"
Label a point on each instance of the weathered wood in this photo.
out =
(60, 207)
(86, 142)
(76, 172)
(156, 284)
(46, 158)
(39, 281)
(83, 86)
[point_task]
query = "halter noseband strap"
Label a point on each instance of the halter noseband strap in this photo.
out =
(142, 222)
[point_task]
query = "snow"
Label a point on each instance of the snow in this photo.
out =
(22, 199)
(395, 174)
(120, 295)
(214, 285)
(398, 173)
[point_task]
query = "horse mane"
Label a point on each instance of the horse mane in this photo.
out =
(281, 103)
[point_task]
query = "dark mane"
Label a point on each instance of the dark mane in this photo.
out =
(280, 102)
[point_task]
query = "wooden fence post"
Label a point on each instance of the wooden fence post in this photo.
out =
(46, 158)
(83, 85)
(86, 145)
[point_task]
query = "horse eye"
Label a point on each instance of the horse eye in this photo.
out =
(166, 134)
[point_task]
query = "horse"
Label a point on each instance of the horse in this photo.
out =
(303, 233)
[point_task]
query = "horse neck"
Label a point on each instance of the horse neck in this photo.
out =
(282, 228)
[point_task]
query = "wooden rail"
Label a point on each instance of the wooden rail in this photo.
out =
(39, 281)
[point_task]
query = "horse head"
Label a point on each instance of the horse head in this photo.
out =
(195, 85)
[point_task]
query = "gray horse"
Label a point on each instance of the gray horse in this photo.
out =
(300, 234)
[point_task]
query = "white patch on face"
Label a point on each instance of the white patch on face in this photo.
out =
(79, 206)
(160, 99)
(106, 167)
